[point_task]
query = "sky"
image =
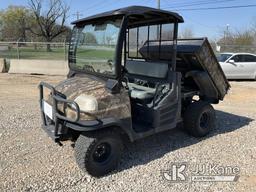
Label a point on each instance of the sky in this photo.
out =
(209, 23)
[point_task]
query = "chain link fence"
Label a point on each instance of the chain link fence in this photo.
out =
(33, 50)
(58, 50)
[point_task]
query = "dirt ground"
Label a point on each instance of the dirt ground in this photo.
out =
(30, 161)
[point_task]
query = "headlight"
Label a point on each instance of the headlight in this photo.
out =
(87, 103)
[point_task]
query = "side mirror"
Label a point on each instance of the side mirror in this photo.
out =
(231, 61)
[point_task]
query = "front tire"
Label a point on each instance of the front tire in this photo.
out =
(199, 118)
(98, 153)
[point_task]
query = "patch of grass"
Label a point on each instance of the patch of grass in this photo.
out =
(54, 54)
(95, 54)
(32, 53)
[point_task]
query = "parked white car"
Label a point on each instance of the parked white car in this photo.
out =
(238, 65)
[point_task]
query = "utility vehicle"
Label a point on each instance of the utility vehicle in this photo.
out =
(130, 77)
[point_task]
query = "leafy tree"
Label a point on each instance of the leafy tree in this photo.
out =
(14, 23)
(1, 26)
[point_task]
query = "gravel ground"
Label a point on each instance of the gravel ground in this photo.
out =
(30, 161)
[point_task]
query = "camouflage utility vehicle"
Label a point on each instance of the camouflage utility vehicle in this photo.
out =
(130, 77)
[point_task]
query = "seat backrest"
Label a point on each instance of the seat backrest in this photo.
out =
(148, 69)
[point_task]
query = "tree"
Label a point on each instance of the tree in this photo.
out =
(239, 41)
(253, 29)
(253, 25)
(243, 38)
(14, 23)
(90, 38)
(1, 26)
(47, 20)
(187, 33)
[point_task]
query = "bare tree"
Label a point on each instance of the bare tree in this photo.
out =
(243, 38)
(187, 33)
(254, 24)
(253, 29)
(47, 20)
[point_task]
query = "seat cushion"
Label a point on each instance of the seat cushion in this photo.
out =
(147, 69)
(141, 92)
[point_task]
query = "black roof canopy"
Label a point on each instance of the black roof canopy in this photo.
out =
(136, 14)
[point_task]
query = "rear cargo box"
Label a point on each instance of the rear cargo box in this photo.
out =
(204, 56)
(192, 55)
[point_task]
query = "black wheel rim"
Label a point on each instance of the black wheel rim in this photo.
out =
(101, 152)
(204, 121)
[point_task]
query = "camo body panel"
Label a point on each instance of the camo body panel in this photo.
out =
(109, 105)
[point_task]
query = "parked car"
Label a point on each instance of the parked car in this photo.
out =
(238, 65)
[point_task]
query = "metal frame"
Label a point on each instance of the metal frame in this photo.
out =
(58, 118)
(118, 51)
(174, 40)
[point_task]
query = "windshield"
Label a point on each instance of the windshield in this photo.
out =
(92, 47)
(223, 57)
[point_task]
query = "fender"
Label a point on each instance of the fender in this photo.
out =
(92, 125)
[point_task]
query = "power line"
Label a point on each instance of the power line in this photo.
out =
(77, 14)
(214, 8)
(96, 4)
(102, 6)
(173, 4)
(200, 3)
(203, 25)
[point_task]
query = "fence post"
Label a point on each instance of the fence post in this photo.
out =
(65, 51)
(18, 50)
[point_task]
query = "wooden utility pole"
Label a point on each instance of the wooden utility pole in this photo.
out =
(158, 29)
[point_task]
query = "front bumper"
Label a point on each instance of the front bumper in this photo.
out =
(59, 125)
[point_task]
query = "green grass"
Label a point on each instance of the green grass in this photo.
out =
(32, 53)
(54, 54)
(95, 54)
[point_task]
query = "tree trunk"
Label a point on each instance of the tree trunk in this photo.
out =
(48, 47)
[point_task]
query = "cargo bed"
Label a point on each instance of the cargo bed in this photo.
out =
(194, 57)
(198, 54)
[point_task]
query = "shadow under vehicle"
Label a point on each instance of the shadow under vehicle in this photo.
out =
(130, 77)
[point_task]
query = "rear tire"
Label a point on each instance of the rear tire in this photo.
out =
(199, 118)
(98, 153)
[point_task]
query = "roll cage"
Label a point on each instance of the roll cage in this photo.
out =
(134, 18)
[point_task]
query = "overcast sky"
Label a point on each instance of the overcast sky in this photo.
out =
(209, 22)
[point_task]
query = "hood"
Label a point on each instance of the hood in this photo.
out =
(73, 87)
(109, 105)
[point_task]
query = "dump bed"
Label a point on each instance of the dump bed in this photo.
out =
(195, 57)
(201, 54)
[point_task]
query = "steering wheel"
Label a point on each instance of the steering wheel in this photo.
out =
(88, 68)
(110, 64)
